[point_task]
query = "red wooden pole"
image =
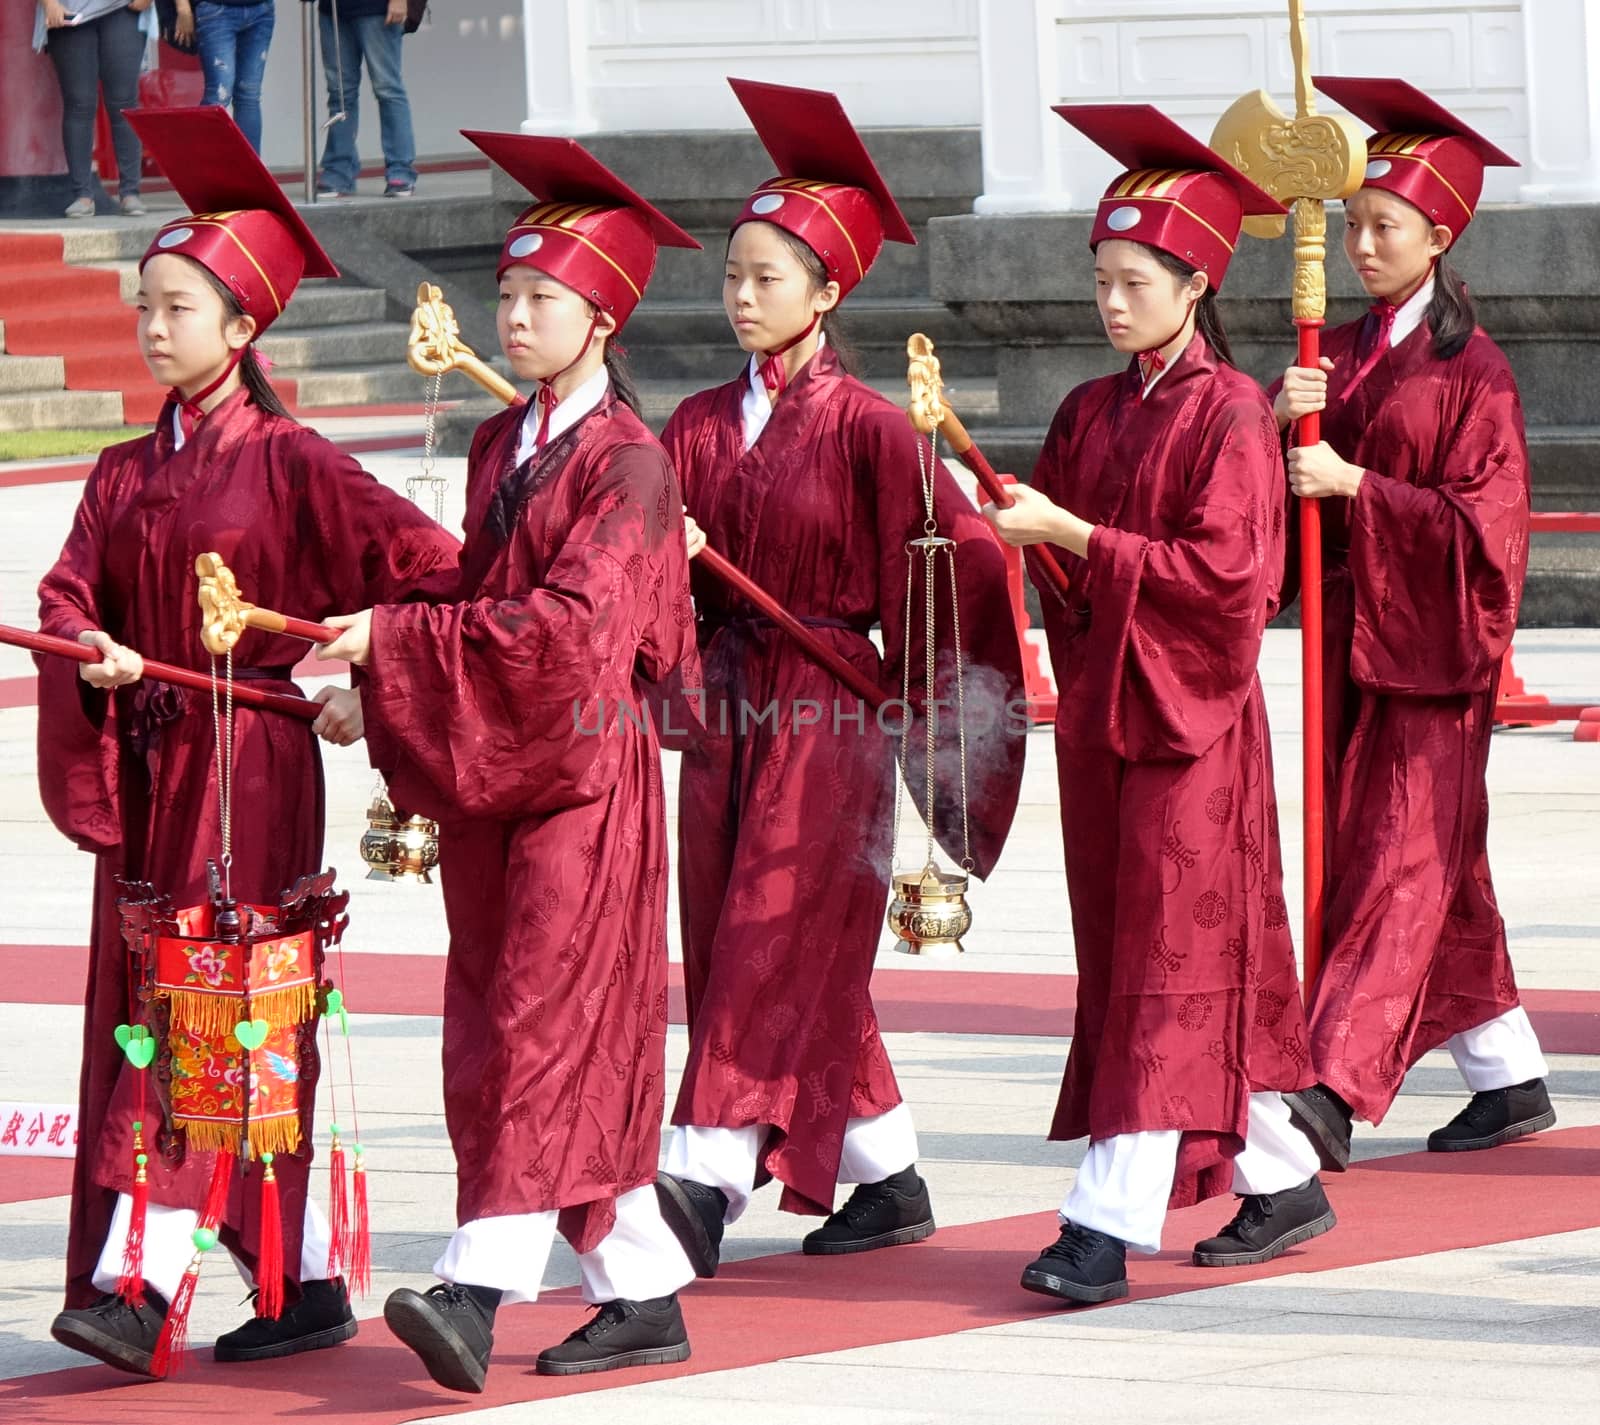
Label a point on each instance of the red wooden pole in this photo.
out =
(973, 458)
(261, 698)
(1308, 432)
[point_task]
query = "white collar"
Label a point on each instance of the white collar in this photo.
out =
(757, 409)
(1409, 317)
(569, 410)
(178, 436)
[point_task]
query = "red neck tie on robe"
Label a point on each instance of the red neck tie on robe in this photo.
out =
(1374, 339)
(1151, 364)
(190, 412)
(773, 374)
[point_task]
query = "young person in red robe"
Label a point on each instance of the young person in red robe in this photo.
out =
(127, 767)
(1423, 475)
(1163, 485)
(517, 718)
(809, 482)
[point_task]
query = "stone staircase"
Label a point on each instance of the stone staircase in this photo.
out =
(335, 346)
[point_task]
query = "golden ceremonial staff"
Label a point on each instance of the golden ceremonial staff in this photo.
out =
(1302, 162)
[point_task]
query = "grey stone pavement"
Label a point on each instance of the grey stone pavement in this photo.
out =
(1437, 1335)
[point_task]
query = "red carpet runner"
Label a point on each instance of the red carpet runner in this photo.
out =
(772, 1308)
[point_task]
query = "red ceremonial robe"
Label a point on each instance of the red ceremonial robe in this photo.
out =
(516, 718)
(132, 777)
(1422, 579)
(1187, 995)
(785, 804)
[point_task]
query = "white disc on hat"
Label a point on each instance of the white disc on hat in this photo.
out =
(1119, 220)
(528, 242)
(767, 203)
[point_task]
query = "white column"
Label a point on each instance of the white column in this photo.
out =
(555, 38)
(1021, 137)
(1563, 55)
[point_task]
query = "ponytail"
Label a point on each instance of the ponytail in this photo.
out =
(621, 374)
(1452, 316)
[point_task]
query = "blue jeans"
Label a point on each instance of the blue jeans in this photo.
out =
(366, 37)
(233, 40)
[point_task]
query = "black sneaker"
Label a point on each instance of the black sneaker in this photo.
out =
(1081, 1265)
(695, 1214)
(112, 1331)
(1267, 1225)
(887, 1214)
(1495, 1116)
(1326, 1120)
(621, 1334)
(322, 1317)
(450, 1327)
(399, 188)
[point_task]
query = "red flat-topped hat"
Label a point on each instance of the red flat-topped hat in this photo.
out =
(1421, 152)
(589, 229)
(241, 227)
(827, 191)
(1176, 194)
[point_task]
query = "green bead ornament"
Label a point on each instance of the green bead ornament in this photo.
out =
(204, 1238)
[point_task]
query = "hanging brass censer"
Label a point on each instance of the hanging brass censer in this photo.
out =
(929, 912)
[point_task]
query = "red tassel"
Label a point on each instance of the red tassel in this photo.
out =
(174, 1338)
(217, 1194)
(359, 1277)
(130, 1284)
(338, 1208)
(269, 1264)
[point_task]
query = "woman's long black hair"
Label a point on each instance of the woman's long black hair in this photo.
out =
(252, 376)
(831, 325)
(1452, 317)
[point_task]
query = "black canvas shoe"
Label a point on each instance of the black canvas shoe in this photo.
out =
(322, 1317)
(112, 1331)
(618, 1335)
(1081, 1266)
(1267, 1225)
(887, 1214)
(1495, 1116)
(695, 1214)
(1326, 1120)
(450, 1327)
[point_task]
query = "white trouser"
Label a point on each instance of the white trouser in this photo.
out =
(169, 1245)
(1124, 1183)
(638, 1259)
(1498, 1053)
(874, 1149)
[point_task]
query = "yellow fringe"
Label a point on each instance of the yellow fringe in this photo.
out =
(272, 1135)
(213, 1016)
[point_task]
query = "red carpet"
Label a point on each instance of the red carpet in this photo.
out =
(908, 1001)
(772, 1308)
(26, 1179)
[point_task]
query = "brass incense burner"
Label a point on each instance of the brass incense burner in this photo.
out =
(929, 911)
(396, 850)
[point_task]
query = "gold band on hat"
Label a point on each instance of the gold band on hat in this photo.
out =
(219, 222)
(1405, 146)
(558, 218)
(812, 191)
(1150, 185)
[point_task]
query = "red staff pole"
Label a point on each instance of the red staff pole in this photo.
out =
(1308, 431)
(251, 697)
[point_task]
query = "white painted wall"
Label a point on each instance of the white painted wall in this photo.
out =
(1193, 59)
